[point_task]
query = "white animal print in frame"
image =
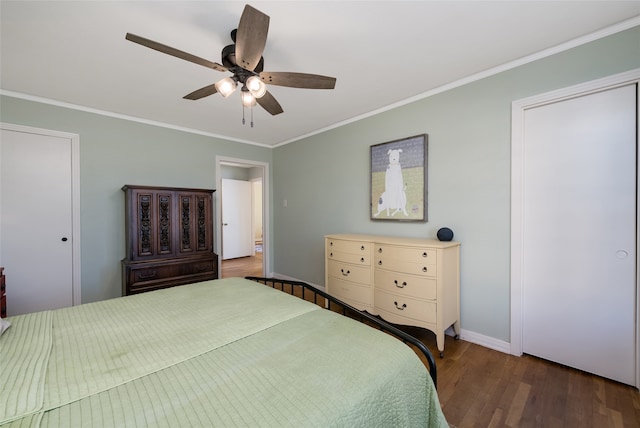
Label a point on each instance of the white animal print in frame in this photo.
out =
(399, 179)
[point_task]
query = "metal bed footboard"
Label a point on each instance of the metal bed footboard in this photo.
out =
(310, 293)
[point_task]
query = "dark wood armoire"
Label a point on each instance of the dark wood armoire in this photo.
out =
(169, 238)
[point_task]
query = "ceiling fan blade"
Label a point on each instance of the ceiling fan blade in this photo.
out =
(201, 93)
(251, 37)
(174, 52)
(298, 80)
(270, 104)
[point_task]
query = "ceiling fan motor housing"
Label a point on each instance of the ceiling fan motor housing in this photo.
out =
(229, 60)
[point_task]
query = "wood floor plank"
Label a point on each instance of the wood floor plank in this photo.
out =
(599, 400)
(620, 409)
(496, 418)
(579, 405)
(555, 392)
(517, 405)
(636, 402)
(615, 419)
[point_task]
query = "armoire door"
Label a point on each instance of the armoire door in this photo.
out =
(36, 229)
(579, 232)
(236, 219)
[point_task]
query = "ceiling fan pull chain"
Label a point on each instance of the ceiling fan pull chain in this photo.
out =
(251, 115)
(243, 114)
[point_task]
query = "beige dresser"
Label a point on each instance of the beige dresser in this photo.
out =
(406, 281)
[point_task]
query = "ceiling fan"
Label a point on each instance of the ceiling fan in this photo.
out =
(244, 60)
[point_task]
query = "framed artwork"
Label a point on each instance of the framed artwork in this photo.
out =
(399, 179)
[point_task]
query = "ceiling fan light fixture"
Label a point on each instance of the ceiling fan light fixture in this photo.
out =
(248, 100)
(226, 86)
(256, 86)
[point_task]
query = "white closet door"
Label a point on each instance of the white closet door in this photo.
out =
(236, 219)
(36, 221)
(580, 233)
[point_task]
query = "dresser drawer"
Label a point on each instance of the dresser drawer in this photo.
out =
(419, 310)
(406, 285)
(349, 291)
(422, 269)
(143, 276)
(349, 272)
(352, 247)
(408, 254)
(363, 259)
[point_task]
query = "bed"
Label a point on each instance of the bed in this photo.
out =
(229, 352)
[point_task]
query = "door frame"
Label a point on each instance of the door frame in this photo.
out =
(518, 109)
(253, 182)
(76, 276)
(266, 236)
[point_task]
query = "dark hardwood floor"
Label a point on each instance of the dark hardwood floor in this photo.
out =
(480, 387)
(483, 388)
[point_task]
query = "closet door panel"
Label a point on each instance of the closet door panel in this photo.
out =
(580, 232)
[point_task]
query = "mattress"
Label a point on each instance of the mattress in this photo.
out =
(227, 352)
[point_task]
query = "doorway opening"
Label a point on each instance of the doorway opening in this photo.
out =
(241, 219)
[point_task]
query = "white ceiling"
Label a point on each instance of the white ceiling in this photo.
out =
(75, 53)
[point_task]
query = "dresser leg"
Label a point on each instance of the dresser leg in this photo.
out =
(440, 343)
(456, 329)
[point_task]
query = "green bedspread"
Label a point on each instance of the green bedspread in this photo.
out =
(219, 353)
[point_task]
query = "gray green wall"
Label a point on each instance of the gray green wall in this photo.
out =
(115, 152)
(325, 178)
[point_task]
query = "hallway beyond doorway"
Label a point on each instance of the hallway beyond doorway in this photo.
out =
(242, 266)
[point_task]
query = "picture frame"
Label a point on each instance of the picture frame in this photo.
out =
(398, 179)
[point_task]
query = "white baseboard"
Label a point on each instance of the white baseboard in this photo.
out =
(486, 341)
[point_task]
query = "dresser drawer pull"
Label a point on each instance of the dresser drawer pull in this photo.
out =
(424, 254)
(330, 254)
(380, 250)
(400, 308)
(404, 283)
(345, 274)
(379, 262)
(361, 259)
(331, 244)
(424, 269)
(362, 248)
(150, 275)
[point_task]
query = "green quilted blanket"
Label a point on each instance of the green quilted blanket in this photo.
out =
(220, 353)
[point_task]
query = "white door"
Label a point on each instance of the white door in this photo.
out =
(236, 219)
(579, 233)
(36, 221)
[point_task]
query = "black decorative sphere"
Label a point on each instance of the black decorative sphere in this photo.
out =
(445, 234)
